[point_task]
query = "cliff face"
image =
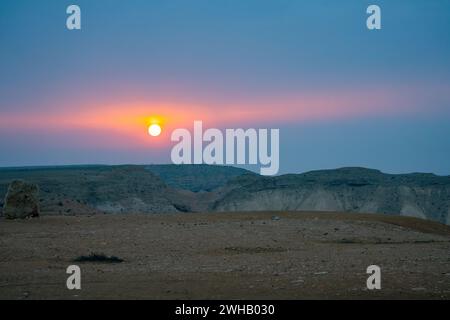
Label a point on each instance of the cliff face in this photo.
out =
(95, 189)
(347, 189)
(165, 189)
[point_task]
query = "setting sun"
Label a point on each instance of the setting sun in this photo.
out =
(154, 130)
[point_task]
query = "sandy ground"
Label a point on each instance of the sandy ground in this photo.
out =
(226, 256)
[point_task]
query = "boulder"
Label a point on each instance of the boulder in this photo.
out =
(21, 201)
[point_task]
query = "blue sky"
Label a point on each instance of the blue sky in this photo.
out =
(341, 95)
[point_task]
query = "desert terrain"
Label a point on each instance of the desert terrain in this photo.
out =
(238, 255)
(79, 190)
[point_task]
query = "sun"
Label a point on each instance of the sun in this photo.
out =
(154, 130)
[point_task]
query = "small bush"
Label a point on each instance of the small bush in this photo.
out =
(98, 257)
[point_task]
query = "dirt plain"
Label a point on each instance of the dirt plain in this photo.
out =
(253, 255)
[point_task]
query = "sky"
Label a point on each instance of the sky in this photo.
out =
(341, 95)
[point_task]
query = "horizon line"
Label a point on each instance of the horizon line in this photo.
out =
(91, 165)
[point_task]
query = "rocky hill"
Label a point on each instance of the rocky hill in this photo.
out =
(197, 188)
(196, 177)
(94, 189)
(346, 189)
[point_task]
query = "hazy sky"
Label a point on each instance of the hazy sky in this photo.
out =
(341, 95)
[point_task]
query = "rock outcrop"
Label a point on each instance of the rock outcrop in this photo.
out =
(79, 190)
(76, 190)
(361, 190)
(21, 201)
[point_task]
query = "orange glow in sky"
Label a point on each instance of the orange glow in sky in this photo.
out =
(129, 122)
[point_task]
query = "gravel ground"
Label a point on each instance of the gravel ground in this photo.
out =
(264, 255)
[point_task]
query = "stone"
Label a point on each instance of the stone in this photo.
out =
(21, 201)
